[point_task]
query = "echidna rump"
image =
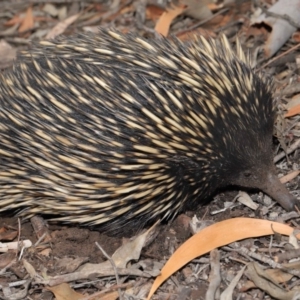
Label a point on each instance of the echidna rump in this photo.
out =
(112, 127)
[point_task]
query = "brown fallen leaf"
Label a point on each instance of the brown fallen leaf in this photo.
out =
(214, 236)
(164, 22)
(278, 275)
(6, 259)
(7, 54)
(8, 235)
(61, 27)
(293, 111)
(28, 22)
(13, 21)
(109, 296)
(153, 12)
(65, 292)
(290, 176)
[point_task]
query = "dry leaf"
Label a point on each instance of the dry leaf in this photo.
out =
(199, 9)
(214, 236)
(164, 22)
(15, 20)
(290, 176)
(6, 259)
(110, 296)
(245, 199)
(28, 22)
(61, 27)
(29, 268)
(228, 292)
(64, 292)
(293, 111)
(265, 283)
(8, 235)
(153, 13)
(278, 275)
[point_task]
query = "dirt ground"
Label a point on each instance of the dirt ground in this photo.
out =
(70, 247)
(63, 252)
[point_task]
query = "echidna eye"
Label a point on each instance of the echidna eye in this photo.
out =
(247, 174)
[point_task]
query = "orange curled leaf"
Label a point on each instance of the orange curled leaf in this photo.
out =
(165, 20)
(214, 236)
(293, 111)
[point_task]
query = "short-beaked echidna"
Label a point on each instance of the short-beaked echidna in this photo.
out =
(111, 127)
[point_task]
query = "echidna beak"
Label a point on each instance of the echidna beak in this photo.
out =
(275, 189)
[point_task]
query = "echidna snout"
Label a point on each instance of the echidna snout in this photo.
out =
(266, 180)
(275, 189)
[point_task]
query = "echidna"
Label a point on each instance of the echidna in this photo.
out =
(112, 127)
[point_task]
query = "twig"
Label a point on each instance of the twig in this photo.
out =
(114, 267)
(279, 56)
(214, 276)
(200, 22)
(291, 149)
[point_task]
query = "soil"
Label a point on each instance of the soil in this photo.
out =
(69, 243)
